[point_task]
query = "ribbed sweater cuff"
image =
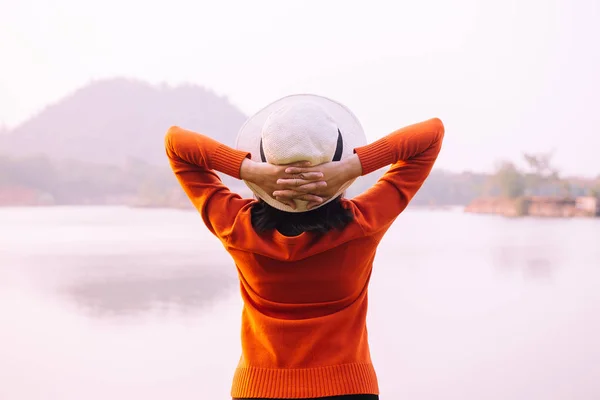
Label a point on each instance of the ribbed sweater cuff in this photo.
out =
(228, 160)
(375, 156)
(250, 382)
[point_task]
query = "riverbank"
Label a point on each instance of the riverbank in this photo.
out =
(554, 207)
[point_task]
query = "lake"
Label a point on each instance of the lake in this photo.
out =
(119, 303)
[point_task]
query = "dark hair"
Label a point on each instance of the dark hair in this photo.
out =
(332, 215)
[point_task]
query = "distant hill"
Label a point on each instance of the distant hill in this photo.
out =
(113, 121)
(103, 144)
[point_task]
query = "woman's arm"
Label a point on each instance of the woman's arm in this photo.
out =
(412, 151)
(194, 159)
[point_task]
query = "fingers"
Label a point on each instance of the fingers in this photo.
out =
(298, 170)
(307, 176)
(310, 176)
(311, 199)
(301, 185)
(292, 182)
(311, 187)
(287, 195)
(288, 202)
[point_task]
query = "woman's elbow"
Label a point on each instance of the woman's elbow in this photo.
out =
(170, 136)
(439, 125)
(172, 131)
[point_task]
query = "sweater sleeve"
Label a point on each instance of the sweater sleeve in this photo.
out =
(412, 151)
(194, 159)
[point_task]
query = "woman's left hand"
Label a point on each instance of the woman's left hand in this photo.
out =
(335, 174)
(266, 176)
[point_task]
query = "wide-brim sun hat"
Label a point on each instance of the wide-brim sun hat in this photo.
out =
(301, 127)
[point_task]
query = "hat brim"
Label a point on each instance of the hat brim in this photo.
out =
(250, 134)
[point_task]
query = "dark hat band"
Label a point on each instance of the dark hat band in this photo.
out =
(337, 156)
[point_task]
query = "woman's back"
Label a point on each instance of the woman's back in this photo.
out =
(305, 307)
(305, 297)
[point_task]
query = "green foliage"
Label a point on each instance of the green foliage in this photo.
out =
(76, 182)
(539, 179)
(138, 182)
(542, 178)
(541, 165)
(444, 188)
(522, 206)
(509, 180)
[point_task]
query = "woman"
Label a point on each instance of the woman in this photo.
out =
(304, 254)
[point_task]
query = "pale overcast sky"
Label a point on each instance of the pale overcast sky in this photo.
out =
(505, 76)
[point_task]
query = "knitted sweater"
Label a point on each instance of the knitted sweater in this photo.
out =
(304, 328)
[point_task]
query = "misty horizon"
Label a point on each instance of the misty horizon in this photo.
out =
(504, 78)
(166, 87)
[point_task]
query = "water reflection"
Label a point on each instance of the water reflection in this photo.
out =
(132, 296)
(130, 285)
(448, 289)
(530, 261)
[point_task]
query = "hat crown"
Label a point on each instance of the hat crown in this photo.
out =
(299, 132)
(300, 127)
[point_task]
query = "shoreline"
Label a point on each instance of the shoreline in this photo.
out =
(537, 206)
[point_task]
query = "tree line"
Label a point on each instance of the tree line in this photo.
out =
(539, 178)
(72, 182)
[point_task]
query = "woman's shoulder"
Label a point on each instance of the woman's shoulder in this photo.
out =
(367, 215)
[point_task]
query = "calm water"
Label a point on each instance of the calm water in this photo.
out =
(114, 303)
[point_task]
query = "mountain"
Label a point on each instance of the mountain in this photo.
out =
(113, 121)
(104, 144)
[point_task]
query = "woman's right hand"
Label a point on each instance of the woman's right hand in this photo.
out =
(267, 177)
(335, 175)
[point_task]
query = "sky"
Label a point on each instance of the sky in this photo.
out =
(505, 77)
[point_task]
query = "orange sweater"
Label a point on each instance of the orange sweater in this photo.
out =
(304, 328)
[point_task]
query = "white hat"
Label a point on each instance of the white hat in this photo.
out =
(297, 128)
